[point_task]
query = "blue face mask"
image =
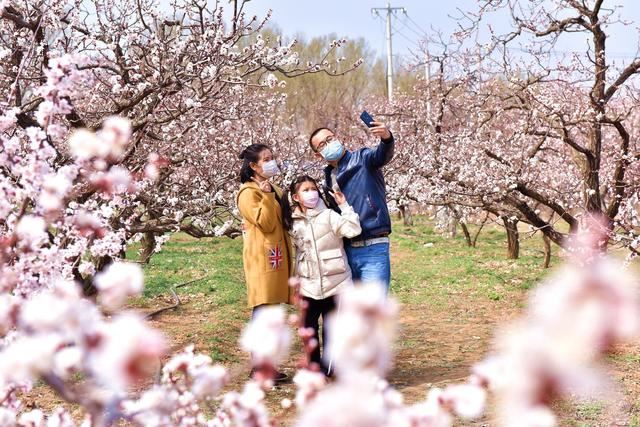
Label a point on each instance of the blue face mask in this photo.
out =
(333, 151)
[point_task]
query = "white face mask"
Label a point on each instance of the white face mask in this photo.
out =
(310, 199)
(270, 169)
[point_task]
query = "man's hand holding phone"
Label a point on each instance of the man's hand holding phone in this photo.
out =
(380, 130)
(376, 128)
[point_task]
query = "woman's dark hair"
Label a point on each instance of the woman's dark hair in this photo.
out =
(249, 155)
(288, 204)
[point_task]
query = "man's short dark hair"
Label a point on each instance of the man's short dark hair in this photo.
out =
(314, 133)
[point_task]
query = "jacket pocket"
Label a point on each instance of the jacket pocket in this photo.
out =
(302, 266)
(274, 256)
(332, 262)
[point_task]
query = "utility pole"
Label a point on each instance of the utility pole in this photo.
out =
(389, 10)
(427, 78)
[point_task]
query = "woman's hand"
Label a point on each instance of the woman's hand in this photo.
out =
(339, 197)
(265, 185)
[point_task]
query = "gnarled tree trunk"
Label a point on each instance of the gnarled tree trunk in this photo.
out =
(407, 217)
(547, 251)
(148, 246)
(513, 238)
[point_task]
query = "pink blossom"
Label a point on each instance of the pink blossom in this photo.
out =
(31, 232)
(351, 404)
(116, 181)
(117, 282)
(86, 145)
(8, 119)
(68, 361)
(244, 409)
(7, 417)
(308, 384)
(466, 400)
(430, 413)
(362, 331)
(208, 381)
(267, 337)
(45, 311)
(127, 351)
(116, 132)
(33, 418)
(9, 308)
(54, 190)
(27, 357)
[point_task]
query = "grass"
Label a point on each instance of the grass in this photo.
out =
(216, 262)
(587, 414)
(431, 267)
(445, 267)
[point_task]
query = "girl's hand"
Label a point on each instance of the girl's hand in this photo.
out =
(339, 197)
(265, 185)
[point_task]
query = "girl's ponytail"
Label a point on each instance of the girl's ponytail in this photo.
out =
(328, 199)
(287, 210)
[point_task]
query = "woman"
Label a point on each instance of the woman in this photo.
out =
(267, 250)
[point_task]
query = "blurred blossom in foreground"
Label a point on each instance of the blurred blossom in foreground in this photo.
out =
(267, 338)
(127, 351)
(117, 282)
(362, 331)
(556, 348)
(361, 338)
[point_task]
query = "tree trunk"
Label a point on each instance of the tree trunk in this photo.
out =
(407, 218)
(446, 222)
(475, 237)
(467, 235)
(513, 242)
(148, 246)
(547, 251)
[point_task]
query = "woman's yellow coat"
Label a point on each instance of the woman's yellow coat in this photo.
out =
(267, 249)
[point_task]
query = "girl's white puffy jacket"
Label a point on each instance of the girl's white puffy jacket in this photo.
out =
(321, 262)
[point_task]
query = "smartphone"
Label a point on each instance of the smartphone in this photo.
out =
(366, 118)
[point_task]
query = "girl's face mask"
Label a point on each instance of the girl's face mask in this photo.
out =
(310, 198)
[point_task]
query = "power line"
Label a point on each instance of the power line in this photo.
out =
(554, 52)
(413, 42)
(424, 33)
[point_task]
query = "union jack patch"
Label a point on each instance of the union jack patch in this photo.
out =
(275, 257)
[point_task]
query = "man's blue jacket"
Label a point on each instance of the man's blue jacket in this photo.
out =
(360, 179)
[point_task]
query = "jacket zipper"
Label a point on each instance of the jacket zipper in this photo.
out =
(315, 247)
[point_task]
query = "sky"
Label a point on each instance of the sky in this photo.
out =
(353, 19)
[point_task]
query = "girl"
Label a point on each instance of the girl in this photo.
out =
(321, 262)
(266, 252)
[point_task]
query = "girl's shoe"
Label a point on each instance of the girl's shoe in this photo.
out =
(280, 377)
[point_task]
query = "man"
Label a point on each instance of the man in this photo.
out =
(358, 175)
